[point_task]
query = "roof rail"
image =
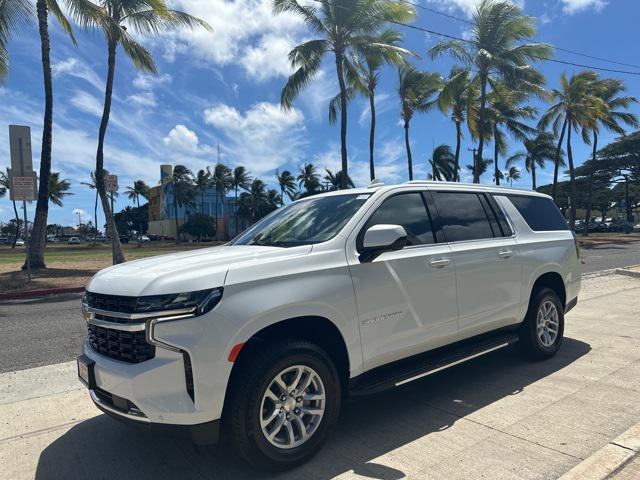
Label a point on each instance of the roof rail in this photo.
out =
(375, 183)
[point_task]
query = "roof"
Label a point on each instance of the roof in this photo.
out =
(379, 186)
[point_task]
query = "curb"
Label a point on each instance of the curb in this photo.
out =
(610, 459)
(39, 293)
(632, 271)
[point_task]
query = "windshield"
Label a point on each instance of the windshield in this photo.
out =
(305, 222)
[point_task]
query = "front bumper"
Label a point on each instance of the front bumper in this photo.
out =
(201, 434)
(151, 392)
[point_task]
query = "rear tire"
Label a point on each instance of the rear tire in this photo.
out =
(276, 428)
(542, 331)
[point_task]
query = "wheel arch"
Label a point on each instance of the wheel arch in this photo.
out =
(315, 329)
(552, 280)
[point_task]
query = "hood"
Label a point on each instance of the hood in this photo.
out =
(183, 272)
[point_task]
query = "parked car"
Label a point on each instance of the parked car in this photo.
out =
(337, 295)
(74, 241)
(4, 240)
(144, 239)
(20, 242)
(124, 238)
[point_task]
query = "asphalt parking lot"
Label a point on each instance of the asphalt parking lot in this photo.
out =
(496, 417)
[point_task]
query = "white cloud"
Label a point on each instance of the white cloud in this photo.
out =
(87, 103)
(467, 6)
(148, 82)
(269, 58)
(143, 99)
(81, 215)
(180, 138)
(263, 138)
(77, 68)
(245, 32)
(574, 6)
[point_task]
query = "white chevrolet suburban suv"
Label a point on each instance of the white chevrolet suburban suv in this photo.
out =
(258, 341)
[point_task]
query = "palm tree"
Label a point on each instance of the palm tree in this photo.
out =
(577, 106)
(416, 90)
(241, 178)
(443, 164)
(39, 231)
(272, 201)
(455, 97)
(309, 180)
(116, 18)
(183, 191)
(480, 167)
(222, 180)
(202, 183)
(252, 202)
(513, 174)
(347, 28)
(538, 150)
(496, 51)
(13, 15)
(334, 180)
(287, 183)
(139, 189)
(5, 186)
(364, 81)
(58, 189)
(505, 110)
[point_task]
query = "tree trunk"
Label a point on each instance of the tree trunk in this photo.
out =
(458, 143)
(406, 142)
(587, 213)
(372, 136)
(15, 237)
(496, 153)
(95, 217)
(236, 214)
(343, 118)
(627, 203)
(572, 182)
(139, 222)
(39, 232)
(118, 253)
(556, 167)
(483, 102)
(175, 213)
(533, 175)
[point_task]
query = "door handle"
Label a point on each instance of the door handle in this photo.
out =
(505, 254)
(440, 263)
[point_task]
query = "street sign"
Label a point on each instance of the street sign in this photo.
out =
(23, 188)
(20, 147)
(111, 183)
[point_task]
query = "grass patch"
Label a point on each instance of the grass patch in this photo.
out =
(73, 265)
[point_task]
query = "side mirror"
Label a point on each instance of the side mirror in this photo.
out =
(382, 238)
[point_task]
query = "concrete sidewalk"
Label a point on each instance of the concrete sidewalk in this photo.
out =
(496, 417)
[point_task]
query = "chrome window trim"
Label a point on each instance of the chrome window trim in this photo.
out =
(133, 327)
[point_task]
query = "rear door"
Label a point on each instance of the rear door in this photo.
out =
(488, 270)
(406, 299)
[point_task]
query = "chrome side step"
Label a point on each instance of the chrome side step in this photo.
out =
(443, 367)
(419, 366)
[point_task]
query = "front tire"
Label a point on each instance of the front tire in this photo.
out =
(542, 331)
(282, 405)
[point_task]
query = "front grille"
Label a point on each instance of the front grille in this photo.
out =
(131, 347)
(111, 303)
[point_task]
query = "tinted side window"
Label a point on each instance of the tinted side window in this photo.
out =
(462, 216)
(502, 219)
(408, 210)
(541, 214)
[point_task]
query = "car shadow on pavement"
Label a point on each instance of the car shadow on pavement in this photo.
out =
(368, 428)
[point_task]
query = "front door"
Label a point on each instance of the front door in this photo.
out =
(406, 299)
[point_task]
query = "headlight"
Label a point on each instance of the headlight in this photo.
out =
(202, 300)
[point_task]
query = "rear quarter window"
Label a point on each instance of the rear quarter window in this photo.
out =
(541, 214)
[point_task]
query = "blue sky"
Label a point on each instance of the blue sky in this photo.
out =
(224, 87)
